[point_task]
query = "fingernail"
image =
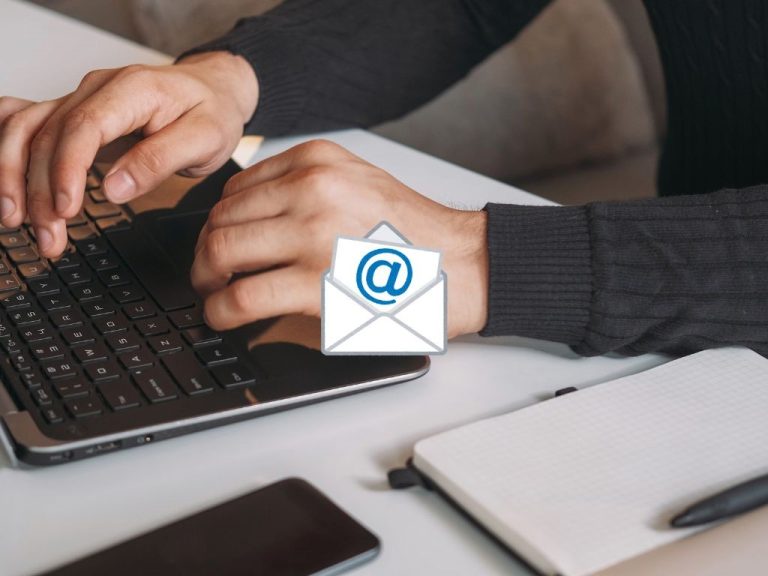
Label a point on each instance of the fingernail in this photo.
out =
(62, 202)
(7, 207)
(44, 239)
(119, 186)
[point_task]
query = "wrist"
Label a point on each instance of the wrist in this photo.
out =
(468, 262)
(230, 74)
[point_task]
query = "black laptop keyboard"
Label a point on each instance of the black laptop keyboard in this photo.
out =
(85, 339)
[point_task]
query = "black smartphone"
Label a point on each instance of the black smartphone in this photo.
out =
(288, 528)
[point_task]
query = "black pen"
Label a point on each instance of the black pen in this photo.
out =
(736, 500)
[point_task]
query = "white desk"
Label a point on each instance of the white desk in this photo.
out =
(345, 447)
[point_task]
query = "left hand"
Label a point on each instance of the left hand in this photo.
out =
(280, 219)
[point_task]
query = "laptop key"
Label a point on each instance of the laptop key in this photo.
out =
(74, 276)
(25, 317)
(86, 240)
(31, 379)
(219, 354)
(91, 353)
(233, 375)
(84, 407)
(97, 195)
(78, 336)
(33, 334)
(127, 293)
(98, 308)
(9, 283)
(106, 261)
(4, 268)
(5, 329)
(6, 230)
(32, 270)
(20, 300)
(77, 220)
(113, 224)
(73, 388)
(55, 302)
(201, 336)
(13, 240)
(22, 255)
(86, 292)
(11, 345)
(214, 355)
(117, 277)
(166, 344)
(52, 415)
(44, 286)
(123, 341)
(65, 318)
(67, 260)
(92, 182)
(187, 372)
(102, 210)
(187, 318)
(120, 394)
(152, 326)
(104, 370)
(21, 361)
(42, 396)
(155, 384)
(59, 369)
(137, 359)
(109, 324)
(139, 310)
(47, 350)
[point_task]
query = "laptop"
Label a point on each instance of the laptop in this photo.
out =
(105, 348)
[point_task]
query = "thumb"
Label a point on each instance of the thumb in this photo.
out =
(182, 145)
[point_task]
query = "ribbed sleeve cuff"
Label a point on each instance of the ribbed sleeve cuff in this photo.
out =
(540, 283)
(277, 59)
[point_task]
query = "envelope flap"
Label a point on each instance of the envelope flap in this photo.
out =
(385, 232)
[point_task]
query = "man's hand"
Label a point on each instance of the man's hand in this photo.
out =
(191, 116)
(281, 218)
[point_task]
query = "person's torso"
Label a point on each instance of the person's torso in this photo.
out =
(715, 58)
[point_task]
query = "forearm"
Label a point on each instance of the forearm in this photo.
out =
(338, 63)
(674, 274)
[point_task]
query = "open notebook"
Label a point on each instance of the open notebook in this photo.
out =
(589, 479)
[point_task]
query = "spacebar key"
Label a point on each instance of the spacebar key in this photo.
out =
(156, 272)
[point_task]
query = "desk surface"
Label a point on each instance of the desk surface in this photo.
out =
(345, 446)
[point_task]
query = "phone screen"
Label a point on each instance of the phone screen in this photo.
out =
(288, 528)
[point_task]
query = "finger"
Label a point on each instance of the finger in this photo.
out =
(267, 200)
(301, 156)
(10, 105)
(49, 225)
(273, 293)
(243, 248)
(110, 107)
(190, 143)
(15, 137)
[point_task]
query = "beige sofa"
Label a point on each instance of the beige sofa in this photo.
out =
(572, 109)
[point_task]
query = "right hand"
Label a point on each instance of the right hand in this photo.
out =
(191, 115)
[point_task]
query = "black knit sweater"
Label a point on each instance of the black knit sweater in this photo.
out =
(677, 274)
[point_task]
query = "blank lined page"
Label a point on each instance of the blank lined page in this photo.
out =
(583, 481)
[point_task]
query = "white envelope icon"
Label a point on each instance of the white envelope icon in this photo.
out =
(413, 322)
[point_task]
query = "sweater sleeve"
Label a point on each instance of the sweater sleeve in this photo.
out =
(332, 64)
(675, 274)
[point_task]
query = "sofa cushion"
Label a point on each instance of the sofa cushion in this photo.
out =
(567, 91)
